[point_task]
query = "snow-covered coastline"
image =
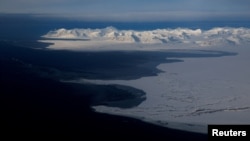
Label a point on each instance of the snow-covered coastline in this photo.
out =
(187, 95)
(102, 39)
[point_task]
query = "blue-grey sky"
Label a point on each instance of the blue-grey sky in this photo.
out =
(132, 10)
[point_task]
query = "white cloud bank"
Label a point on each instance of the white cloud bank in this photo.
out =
(221, 36)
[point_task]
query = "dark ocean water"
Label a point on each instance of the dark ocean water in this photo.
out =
(204, 25)
(28, 27)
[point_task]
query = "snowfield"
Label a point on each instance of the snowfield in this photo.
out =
(187, 95)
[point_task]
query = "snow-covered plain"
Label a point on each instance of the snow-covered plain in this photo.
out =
(187, 95)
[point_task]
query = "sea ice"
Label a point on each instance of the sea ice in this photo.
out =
(197, 91)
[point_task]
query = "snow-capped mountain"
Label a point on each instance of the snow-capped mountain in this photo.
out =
(215, 36)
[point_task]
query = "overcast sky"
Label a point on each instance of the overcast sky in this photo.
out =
(132, 10)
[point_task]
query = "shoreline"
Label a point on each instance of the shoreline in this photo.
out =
(41, 108)
(142, 62)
